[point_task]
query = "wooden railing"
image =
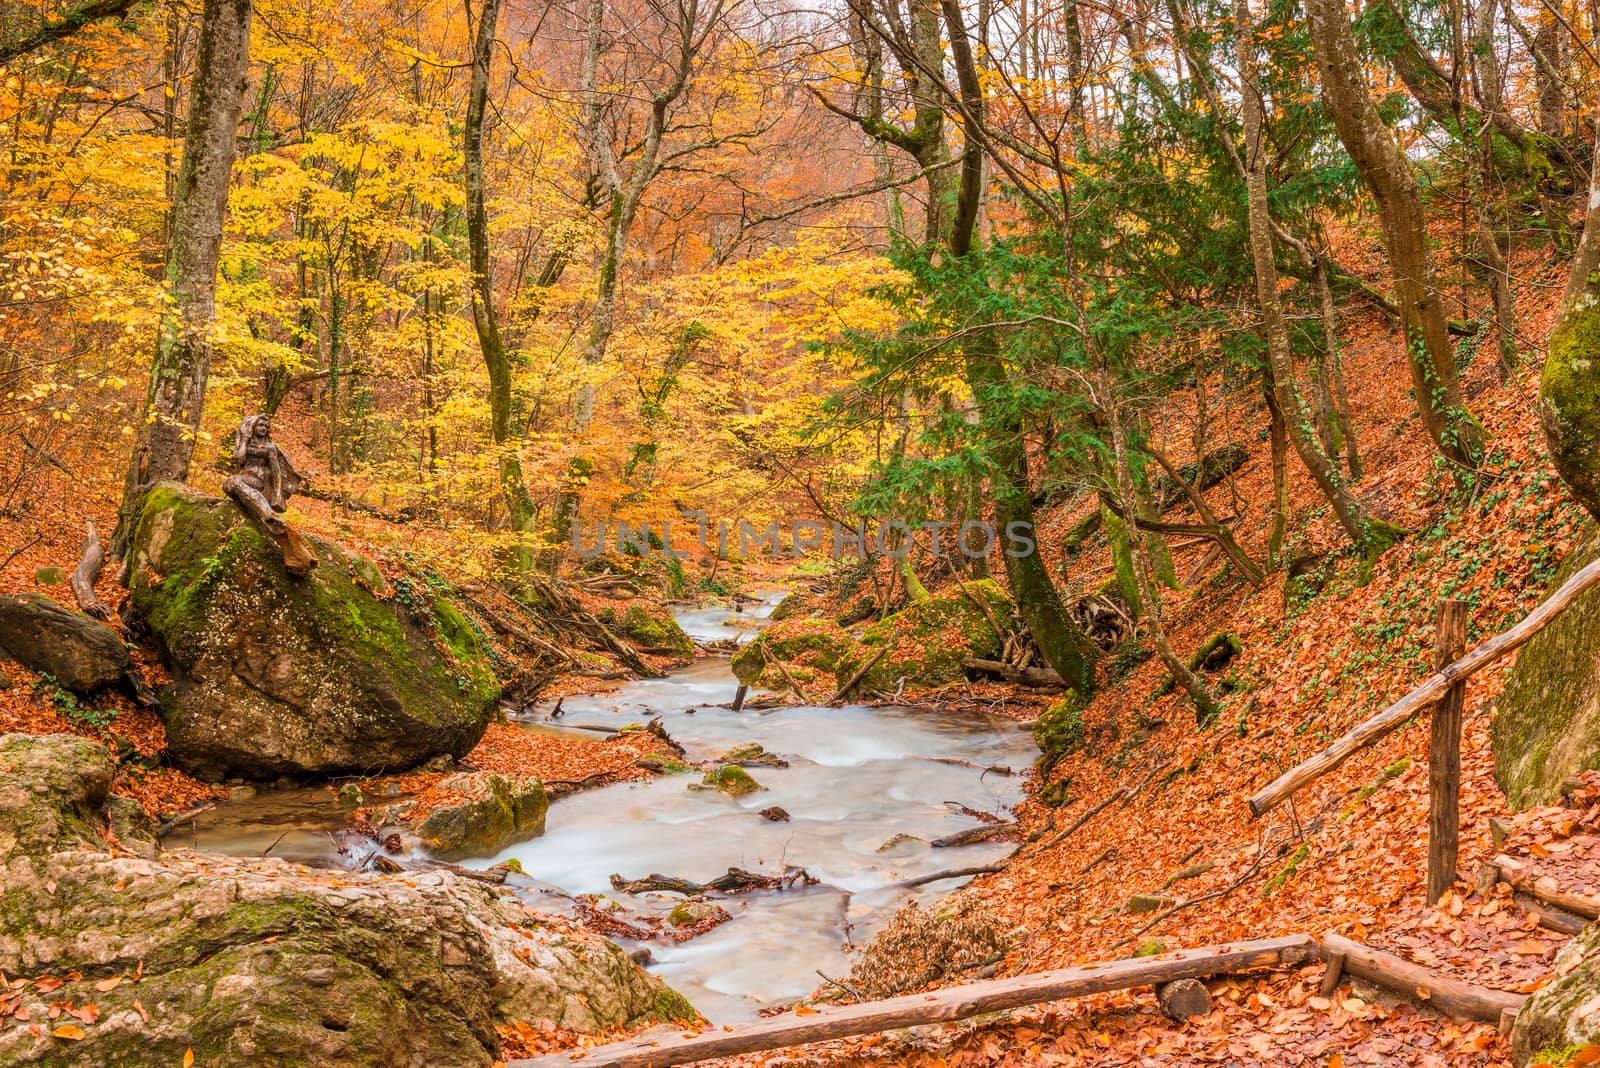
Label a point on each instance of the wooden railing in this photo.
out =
(1444, 693)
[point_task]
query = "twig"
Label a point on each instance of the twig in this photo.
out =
(18, 552)
(1124, 794)
(793, 685)
(846, 987)
(952, 873)
(1250, 873)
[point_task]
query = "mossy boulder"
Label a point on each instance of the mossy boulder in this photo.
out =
(473, 814)
(928, 640)
(1547, 721)
(811, 649)
(1564, 1014)
(795, 603)
(255, 961)
(652, 631)
(729, 779)
(82, 654)
(276, 674)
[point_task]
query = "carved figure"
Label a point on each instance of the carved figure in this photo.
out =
(263, 485)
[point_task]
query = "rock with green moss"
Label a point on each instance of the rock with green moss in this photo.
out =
(256, 961)
(473, 814)
(1569, 388)
(278, 674)
(1546, 723)
(729, 779)
(82, 654)
(1564, 1013)
(812, 650)
(689, 913)
(928, 640)
(652, 631)
(752, 755)
(795, 603)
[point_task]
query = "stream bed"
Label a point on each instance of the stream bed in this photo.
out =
(857, 777)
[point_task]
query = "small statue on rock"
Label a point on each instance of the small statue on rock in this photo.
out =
(263, 485)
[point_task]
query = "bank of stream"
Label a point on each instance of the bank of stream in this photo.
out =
(857, 777)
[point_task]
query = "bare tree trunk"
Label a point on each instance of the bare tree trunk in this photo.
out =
(518, 504)
(1368, 535)
(176, 396)
(1387, 173)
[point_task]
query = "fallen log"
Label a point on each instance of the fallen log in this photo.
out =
(1037, 678)
(973, 835)
(1550, 917)
(987, 769)
(1183, 999)
(954, 1003)
(1542, 887)
(92, 560)
(734, 881)
(1370, 731)
(1449, 996)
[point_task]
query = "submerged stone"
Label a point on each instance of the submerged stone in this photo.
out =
(729, 779)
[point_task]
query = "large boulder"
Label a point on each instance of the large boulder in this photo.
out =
(278, 674)
(654, 632)
(473, 814)
(1563, 1015)
(1546, 724)
(811, 649)
(927, 641)
(82, 654)
(255, 961)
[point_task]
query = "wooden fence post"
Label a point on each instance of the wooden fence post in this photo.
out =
(1444, 755)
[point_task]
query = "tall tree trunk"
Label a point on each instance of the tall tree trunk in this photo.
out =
(1387, 173)
(1569, 392)
(165, 443)
(1366, 534)
(518, 505)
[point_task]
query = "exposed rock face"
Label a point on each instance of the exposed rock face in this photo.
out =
(258, 962)
(1564, 1014)
(278, 674)
(482, 814)
(83, 654)
(1547, 721)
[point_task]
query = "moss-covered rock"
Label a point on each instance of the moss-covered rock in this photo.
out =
(729, 779)
(254, 961)
(652, 631)
(474, 814)
(277, 674)
(928, 640)
(1569, 394)
(1058, 732)
(811, 649)
(1547, 721)
(1564, 1014)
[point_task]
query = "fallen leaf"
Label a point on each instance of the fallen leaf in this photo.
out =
(106, 985)
(188, 1058)
(71, 1032)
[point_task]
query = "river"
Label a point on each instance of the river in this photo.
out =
(857, 777)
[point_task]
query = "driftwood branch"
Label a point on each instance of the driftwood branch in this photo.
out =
(1037, 678)
(92, 560)
(973, 835)
(954, 1003)
(951, 873)
(1370, 731)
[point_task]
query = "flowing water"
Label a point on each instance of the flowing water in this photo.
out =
(857, 777)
